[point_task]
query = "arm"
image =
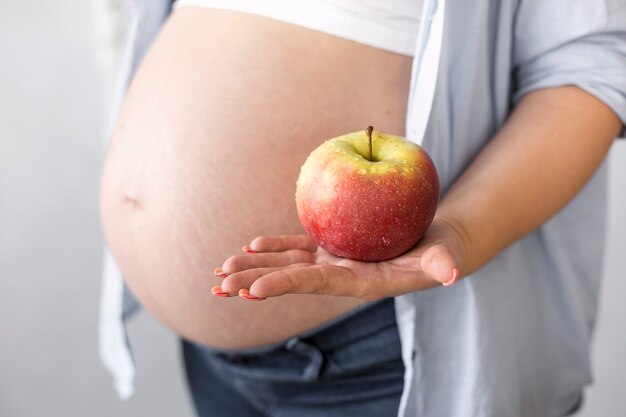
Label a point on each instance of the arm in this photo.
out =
(544, 154)
(546, 151)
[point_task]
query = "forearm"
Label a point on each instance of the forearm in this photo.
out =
(547, 150)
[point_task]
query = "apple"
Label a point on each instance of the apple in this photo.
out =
(367, 195)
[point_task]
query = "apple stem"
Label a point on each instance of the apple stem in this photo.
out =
(369, 134)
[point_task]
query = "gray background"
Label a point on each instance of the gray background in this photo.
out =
(54, 80)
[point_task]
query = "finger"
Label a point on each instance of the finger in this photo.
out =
(282, 243)
(246, 294)
(314, 279)
(266, 260)
(438, 263)
(218, 292)
(233, 283)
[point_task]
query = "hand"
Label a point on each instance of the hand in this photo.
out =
(294, 264)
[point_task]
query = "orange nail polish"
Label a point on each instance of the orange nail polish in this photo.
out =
(248, 249)
(246, 294)
(221, 294)
(220, 273)
(217, 291)
(455, 275)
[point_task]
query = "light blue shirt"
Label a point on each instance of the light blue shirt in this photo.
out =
(512, 340)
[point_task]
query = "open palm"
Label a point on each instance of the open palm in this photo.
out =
(294, 264)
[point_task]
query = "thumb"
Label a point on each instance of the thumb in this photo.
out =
(438, 263)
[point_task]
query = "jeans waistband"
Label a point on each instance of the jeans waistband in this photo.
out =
(361, 322)
(356, 324)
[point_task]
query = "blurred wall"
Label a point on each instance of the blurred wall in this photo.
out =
(52, 120)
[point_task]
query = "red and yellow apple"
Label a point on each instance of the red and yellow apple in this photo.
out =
(368, 196)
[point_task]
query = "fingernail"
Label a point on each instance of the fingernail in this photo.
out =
(248, 249)
(455, 275)
(219, 272)
(246, 294)
(217, 291)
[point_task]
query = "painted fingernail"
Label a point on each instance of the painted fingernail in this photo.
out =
(248, 249)
(217, 291)
(246, 294)
(455, 275)
(219, 272)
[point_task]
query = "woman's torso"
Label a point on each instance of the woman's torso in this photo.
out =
(217, 122)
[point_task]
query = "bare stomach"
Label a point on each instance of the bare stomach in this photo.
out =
(218, 120)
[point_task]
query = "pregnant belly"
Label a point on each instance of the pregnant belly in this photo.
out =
(218, 120)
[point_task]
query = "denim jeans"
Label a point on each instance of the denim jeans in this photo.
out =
(351, 366)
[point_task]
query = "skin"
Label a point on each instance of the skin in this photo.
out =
(547, 150)
(206, 154)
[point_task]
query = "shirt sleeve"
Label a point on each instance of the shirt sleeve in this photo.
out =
(572, 42)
